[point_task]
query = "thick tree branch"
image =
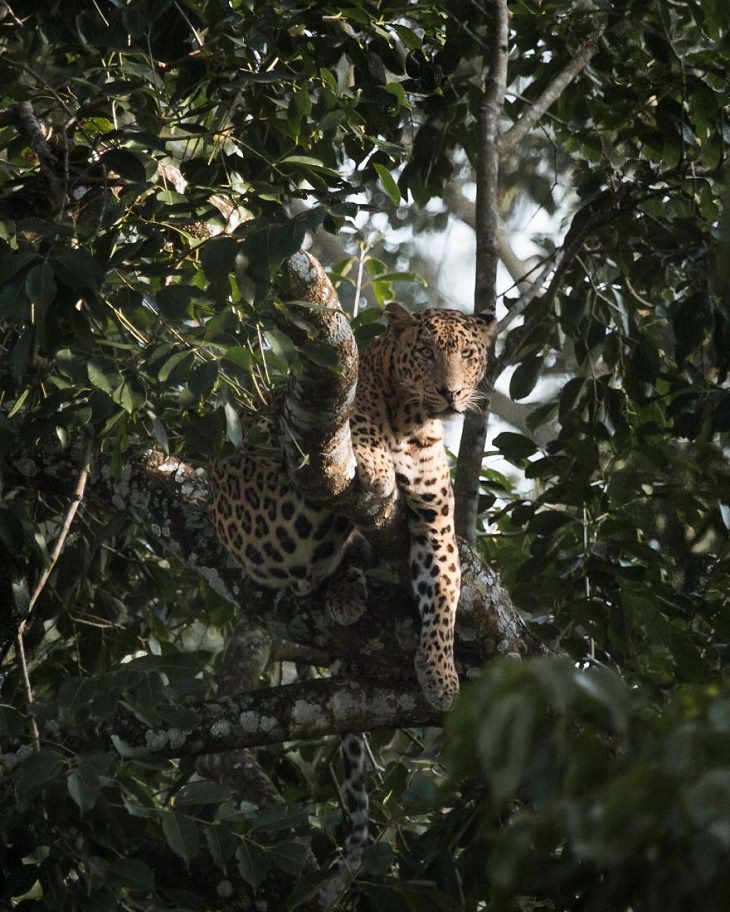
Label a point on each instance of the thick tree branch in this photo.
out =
(471, 450)
(316, 431)
(50, 165)
(307, 710)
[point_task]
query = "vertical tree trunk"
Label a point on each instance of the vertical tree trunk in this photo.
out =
(466, 487)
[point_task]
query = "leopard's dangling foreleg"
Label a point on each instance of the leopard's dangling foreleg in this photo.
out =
(436, 584)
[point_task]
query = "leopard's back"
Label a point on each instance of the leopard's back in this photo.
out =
(282, 539)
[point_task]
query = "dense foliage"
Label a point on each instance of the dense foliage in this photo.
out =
(158, 160)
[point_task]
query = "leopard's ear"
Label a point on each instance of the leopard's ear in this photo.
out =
(397, 317)
(487, 323)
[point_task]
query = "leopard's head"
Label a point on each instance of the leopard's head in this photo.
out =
(440, 356)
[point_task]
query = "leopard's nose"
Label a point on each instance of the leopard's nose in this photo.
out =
(448, 394)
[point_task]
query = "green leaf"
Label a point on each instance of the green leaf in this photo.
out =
(127, 164)
(182, 835)
(132, 875)
(177, 363)
(525, 377)
(103, 374)
(264, 250)
(218, 256)
(160, 433)
(84, 787)
(397, 90)
(203, 379)
(239, 356)
(308, 887)
(308, 161)
(411, 40)
(174, 301)
(221, 844)
(36, 772)
(377, 859)
(233, 425)
(289, 857)
(176, 715)
(568, 398)
(204, 792)
(389, 184)
(514, 446)
(548, 521)
(131, 395)
(78, 269)
(253, 863)
(76, 695)
(40, 285)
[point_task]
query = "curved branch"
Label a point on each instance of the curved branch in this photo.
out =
(316, 430)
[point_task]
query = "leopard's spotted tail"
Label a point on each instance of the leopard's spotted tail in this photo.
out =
(356, 807)
(356, 799)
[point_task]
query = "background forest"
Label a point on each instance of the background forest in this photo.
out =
(159, 161)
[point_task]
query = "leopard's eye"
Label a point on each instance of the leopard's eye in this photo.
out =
(425, 351)
(468, 353)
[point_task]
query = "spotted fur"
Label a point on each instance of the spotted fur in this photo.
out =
(425, 367)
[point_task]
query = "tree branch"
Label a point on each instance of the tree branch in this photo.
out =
(316, 431)
(532, 114)
(471, 450)
(535, 111)
(291, 712)
(78, 496)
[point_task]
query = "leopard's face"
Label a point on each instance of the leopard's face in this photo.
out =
(440, 356)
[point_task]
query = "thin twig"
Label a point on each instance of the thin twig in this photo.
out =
(358, 285)
(34, 733)
(533, 291)
(40, 585)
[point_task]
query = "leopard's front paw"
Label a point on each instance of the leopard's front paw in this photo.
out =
(377, 476)
(438, 679)
(347, 595)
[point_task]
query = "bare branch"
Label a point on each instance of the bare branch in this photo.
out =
(535, 111)
(40, 585)
(78, 496)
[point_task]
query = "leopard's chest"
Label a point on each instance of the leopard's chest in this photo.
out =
(418, 452)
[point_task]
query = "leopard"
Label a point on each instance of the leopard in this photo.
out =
(425, 367)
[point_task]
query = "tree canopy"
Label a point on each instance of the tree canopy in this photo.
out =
(161, 166)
